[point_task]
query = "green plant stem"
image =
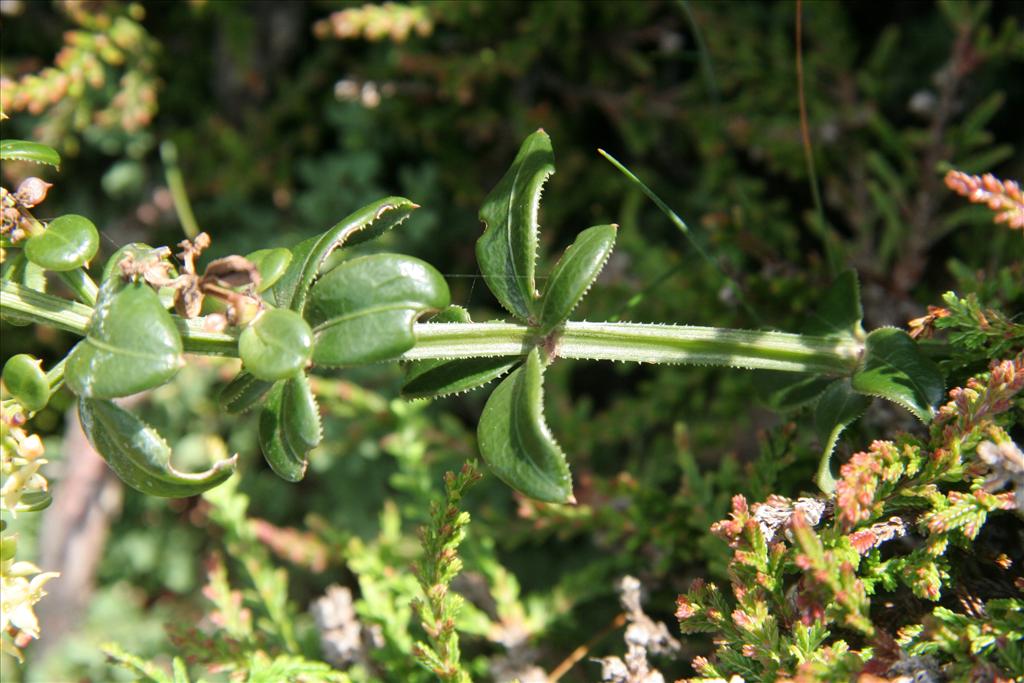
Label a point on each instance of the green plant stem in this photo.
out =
(81, 284)
(634, 342)
(27, 304)
(55, 376)
(692, 345)
(176, 184)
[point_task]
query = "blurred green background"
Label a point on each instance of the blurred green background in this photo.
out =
(288, 115)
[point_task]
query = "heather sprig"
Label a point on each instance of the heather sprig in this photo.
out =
(819, 585)
(1003, 197)
(102, 80)
(435, 571)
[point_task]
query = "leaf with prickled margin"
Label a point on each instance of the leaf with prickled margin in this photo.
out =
(574, 273)
(894, 368)
(68, 242)
(300, 415)
(140, 456)
(286, 463)
(515, 441)
(308, 257)
(507, 250)
(131, 345)
(243, 393)
(436, 378)
(25, 150)
(838, 312)
(363, 310)
(836, 410)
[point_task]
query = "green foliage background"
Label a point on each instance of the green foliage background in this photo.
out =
(280, 133)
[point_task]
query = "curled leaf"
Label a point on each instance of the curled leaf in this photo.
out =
(276, 345)
(287, 463)
(515, 441)
(131, 345)
(838, 407)
(363, 310)
(507, 250)
(139, 456)
(575, 273)
(26, 381)
(308, 257)
(68, 242)
(300, 415)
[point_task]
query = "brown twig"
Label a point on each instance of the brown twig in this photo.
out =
(580, 652)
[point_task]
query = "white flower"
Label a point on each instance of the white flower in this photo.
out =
(18, 596)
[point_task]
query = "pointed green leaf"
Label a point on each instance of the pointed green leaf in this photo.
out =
(26, 381)
(131, 345)
(363, 310)
(507, 250)
(140, 456)
(300, 416)
(455, 376)
(68, 242)
(895, 369)
(272, 265)
(515, 441)
(308, 257)
(276, 345)
(286, 463)
(838, 311)
(435, 378)
(575, 273)
(243, 393)
(24, 150)
(837, 409)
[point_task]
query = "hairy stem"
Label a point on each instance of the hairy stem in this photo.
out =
(26, 304)
(635, 342)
